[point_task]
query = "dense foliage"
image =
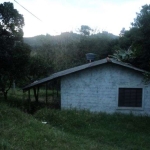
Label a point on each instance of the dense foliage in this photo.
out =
(68, 49)
(71, 129)
(14, 54)
(137, 40)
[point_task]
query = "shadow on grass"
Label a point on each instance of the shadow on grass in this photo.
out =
(25, 106)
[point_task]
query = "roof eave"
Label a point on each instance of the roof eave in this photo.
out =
(79, 68)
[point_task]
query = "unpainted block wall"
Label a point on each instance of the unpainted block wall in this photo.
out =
(96, 89)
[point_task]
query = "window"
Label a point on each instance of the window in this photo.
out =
(130, 97)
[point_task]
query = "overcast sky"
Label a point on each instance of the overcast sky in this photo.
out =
(68, 15)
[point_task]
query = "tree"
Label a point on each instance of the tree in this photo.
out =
(100, 44)
(14, 66)
(141, 42)
(138, 39)
(122, 32)
(14, 54)
(143, 18)
(11, 22)
(85, 30)
(38, 67)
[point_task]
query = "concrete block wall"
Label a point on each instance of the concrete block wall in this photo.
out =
(96, 89)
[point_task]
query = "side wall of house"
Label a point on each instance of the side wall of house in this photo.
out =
(96, 89)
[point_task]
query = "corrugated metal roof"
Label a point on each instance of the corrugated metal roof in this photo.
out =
(79, 68)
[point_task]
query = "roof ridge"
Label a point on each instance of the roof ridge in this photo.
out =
(82, 67)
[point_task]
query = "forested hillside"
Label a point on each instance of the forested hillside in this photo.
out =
(69, 49)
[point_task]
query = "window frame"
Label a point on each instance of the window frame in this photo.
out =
(130, 108)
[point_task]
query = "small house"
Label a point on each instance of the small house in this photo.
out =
(102, 86)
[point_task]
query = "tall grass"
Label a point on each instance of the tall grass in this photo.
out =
(117, 130)
(68, 129)
(20, 131)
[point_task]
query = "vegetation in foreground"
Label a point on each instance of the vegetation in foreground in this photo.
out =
(20, 131)
(118, 131)
(71, 129)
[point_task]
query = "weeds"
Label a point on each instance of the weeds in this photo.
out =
(116, 130)
(20, 131)
(68, 129)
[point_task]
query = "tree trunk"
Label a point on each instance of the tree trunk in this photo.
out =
(14, 86)
(36, 94)
(5, 95)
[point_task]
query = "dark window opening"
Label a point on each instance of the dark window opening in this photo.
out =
(130, 97)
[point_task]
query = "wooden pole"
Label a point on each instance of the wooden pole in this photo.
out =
(46, 93)
(34, 90)
(29, 100)
(53, 90)
(38, 88)
(36, 93)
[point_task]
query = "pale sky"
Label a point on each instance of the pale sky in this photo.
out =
(68, 15)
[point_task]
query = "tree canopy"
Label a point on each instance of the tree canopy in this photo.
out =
(11, 22)
(14, 54)
(85, 30)
(141, 42)
(137, 39)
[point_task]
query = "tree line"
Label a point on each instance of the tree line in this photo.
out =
(68, 49)
(24, 60)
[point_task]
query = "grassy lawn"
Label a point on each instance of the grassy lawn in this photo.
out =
(117, 131)
(20, 131)
(69, 129)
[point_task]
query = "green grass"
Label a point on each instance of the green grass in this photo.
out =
(117, 131)
(20, 131)
(69, 129)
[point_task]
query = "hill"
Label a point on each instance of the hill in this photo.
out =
(64, 38)
(39, 40)
(68, 49)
